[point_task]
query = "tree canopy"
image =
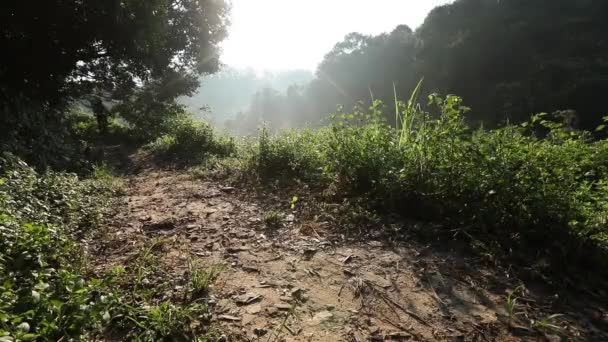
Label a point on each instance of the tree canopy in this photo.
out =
(55, 52)
(508, 59)
(59, 48)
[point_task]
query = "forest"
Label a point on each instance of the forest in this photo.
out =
(441, 183)
(504, 58)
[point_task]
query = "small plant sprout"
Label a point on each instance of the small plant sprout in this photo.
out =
(547, 324)
(293, 202)
(201, 279)
(273, 219)
(511, 305)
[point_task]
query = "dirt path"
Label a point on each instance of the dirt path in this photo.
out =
(300, 281)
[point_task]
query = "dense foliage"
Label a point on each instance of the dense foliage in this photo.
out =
(48, 290)
(187, 141)
(539, 186)
(57, 53)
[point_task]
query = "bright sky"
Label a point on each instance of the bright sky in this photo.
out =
(296, 34)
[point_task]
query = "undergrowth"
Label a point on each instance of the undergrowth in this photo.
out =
(48, 290)
(190, 142)
(535, 193)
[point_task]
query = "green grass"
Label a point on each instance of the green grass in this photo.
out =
(201, 279)
(190, 142)
(48, 290)
(535, 194)
(273, 219)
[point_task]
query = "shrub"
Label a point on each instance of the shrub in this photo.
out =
(190, 142)
(534, 190)
(44, 292)
(290, 155)
(361, 150)
(52, 198)
(48, 292)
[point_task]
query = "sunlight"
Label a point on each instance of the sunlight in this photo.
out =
(296, 34)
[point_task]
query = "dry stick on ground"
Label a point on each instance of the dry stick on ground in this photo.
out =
(315, 231)
(480, 332)
(428, 280)
(389, 301)
(401, 327)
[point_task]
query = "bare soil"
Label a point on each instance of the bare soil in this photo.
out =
(305, 281)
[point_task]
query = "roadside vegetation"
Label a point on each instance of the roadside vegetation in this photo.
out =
(530, 194)
(48, 289)
(533, 194)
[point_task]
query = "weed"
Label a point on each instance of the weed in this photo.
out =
(547, 324)
(276, 335)
(511, 305)
(201, 279)
(289, 156)
(47, 291)
(190, 142)
(509, 187)
(106, 175)
(273, 219)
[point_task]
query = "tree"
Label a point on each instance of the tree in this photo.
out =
(508, 59)
(512, 58)
(361, 67)
(55, 51)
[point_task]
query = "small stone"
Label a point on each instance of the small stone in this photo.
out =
(247, 298)
(237, 249)
(309, 253)
(398, 336)
(229, 318)
(260, 331)
(321, 317)
(377, 280)
(248, 318)
(254, 309)
(272, 311)
(282, 306)
(250, 268)
(297, 292)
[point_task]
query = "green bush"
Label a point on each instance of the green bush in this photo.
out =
(290, 155)
(54, 198)
(190, 142)
(44, 294)
(536, 190)
(48, 291)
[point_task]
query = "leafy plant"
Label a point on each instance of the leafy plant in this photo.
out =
(548, 324)
(511, 305)
(48, 292)
(505, 189)
(289, 156)
(273, 219)
(201, 279)
(190, 142)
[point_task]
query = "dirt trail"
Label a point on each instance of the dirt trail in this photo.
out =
(341, 290)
